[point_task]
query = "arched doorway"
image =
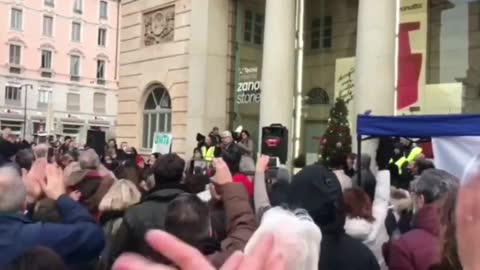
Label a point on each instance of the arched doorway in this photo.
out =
(157, 114)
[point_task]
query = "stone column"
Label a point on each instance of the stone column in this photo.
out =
(208, 66)
(278, 66)
(375, 62)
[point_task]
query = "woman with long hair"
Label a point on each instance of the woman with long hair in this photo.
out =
(366, 220)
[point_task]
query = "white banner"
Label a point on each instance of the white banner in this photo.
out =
(452, 154)
(162, 143)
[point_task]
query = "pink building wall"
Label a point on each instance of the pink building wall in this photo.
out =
(32, 41)
(33, 12)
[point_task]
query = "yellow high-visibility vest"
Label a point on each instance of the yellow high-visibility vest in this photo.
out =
(416, 151)
(399, 163)
(208, 154)
(412, 156)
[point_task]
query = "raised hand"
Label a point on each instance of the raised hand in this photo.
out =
(31, 179)
(262, 163)
(54, 184)
(222, 175)
(189, 258)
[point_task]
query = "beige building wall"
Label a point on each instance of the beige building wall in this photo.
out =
(195, 66)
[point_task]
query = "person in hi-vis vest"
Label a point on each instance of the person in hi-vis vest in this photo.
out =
(209, 150)
(406, 153)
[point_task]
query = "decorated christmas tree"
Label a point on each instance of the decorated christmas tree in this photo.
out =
(337, 140)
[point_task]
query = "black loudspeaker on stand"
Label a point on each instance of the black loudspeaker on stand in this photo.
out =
(275, 142)
(96, 141)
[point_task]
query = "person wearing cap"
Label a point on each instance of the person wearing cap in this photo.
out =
(317, 190)
(419, 249)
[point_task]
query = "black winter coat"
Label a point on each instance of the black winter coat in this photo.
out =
(147, 215)
(342, 252)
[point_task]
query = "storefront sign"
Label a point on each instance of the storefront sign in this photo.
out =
(249, 86)
(162, 143)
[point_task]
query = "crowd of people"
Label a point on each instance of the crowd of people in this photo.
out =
(68, 207)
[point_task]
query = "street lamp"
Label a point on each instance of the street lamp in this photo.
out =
(25, 108)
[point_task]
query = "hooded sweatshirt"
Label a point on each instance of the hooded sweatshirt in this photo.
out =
(367, 181)
(374, 234)
(317, 190)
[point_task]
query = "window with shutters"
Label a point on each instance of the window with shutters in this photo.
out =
(49, 3)
(74, 67)
(103, 9)
(16, 19)
(15, 54)
(44, 97)
(100, 71)
(13, 95)
(46, 59)
(47, 26)
(102, 37)
(99, 102)
(77, 6)
(76, 31)
(73, 102)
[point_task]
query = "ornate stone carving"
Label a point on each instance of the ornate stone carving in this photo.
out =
(159, 26)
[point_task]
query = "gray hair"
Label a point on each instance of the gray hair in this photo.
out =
(434, 184)
(41, 151)
(12, 190)
(89, 160)
(298, 237)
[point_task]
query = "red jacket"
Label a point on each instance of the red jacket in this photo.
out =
(418, 249)
(243, 179)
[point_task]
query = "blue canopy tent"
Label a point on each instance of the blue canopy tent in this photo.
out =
(419, 126)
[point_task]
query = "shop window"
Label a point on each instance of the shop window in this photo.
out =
(157, 115)
(15, 126)
(321, 33)
(253, 27)
(69, 129)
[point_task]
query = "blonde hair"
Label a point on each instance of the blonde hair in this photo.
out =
(120, 196)
(295, 235)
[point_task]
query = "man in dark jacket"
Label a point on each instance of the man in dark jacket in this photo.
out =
(188, 218)
(151, 212)
(317, 190)
(419, 249)
(230, 150)
(77, 240)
